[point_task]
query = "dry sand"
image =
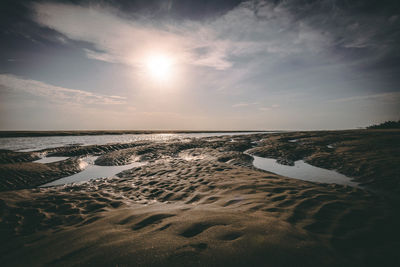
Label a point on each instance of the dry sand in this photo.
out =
(197, 203)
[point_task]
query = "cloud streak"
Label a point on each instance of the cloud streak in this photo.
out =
(387, 97)
(269, 108)
(244, 104)
(56, 93)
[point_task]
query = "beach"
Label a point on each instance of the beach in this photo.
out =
(201, 202)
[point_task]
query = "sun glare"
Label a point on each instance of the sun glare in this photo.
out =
(159, 67)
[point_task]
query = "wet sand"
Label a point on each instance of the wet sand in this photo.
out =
(200, 202)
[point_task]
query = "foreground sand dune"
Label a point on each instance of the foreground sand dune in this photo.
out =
(203, 206)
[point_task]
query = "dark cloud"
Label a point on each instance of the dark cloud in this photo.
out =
(184, 9)
(365, 33)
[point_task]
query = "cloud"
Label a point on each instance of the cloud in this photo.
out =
(56, 93)
(244, 104)
(254, 105)
(265, 108)
(254, 45)
(274, 106)
(250, 29)
(324, 29)
(387, 97)
(130, 42)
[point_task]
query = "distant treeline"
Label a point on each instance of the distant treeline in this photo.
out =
(386, 125)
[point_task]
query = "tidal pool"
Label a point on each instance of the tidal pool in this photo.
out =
(50, 159)
(92, 171)
(303, 171)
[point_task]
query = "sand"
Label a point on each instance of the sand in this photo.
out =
(197, 203)
(30, 174)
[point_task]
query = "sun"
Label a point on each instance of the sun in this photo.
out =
(159, 67)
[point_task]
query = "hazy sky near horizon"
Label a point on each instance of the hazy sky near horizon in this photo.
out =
(231, 65)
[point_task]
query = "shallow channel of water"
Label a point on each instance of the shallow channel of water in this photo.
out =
(50, 159)
(303, 171)
(92, 171)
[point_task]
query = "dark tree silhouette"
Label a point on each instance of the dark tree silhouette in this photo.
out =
(386, 125)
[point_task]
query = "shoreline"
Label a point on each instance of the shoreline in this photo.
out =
(5, 134)
(28, 133)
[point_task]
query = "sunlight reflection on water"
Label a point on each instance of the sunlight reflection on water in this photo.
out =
(42, 142)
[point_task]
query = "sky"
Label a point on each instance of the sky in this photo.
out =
(198, 65)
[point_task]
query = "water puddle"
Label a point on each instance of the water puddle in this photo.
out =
(50, 159)
(92, 171)
(303, 171)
